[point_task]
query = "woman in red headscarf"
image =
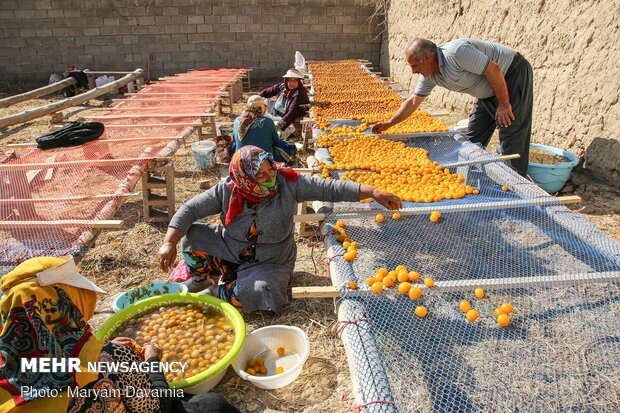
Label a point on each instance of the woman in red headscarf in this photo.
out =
(254, 250)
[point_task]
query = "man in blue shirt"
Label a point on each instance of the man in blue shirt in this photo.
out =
(498, 76)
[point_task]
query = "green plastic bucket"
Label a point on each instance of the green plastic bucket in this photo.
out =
(204, 381)
(552, 177)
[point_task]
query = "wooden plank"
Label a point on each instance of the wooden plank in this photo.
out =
(151, 115)
(103, 72)
(67, 103)
(316, 292)
(154, 125)
(27, 166)
(309, 218)
(145, 108)
(471, 284)
(68, 198)
(138, 99)
(306, 170)
(116, 223)
(46, 90)
(146, 92)
(155, 138)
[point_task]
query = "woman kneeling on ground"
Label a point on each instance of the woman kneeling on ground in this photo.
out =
(254, 251)
(290, 95)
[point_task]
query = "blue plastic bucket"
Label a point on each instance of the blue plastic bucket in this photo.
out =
(552, 177)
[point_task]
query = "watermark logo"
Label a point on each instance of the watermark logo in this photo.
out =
(73, 365)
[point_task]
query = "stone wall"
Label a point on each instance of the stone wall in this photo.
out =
(39, 37)
(572, 46)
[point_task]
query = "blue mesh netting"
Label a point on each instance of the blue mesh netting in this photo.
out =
(561, 352)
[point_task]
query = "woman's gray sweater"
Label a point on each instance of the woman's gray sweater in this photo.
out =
(262, 284)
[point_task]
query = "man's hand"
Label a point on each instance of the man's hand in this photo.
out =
(380, 127)
(278, 127)
(504, 115)
(388, 200)
(166, 255)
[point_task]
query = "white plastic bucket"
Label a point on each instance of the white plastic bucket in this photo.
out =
(263, 343)
(204, 154)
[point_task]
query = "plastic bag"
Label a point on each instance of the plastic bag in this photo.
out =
(284, 133)
(222, 150)
(300, 61)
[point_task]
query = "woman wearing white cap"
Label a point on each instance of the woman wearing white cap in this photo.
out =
(253, 128)
(290, 94)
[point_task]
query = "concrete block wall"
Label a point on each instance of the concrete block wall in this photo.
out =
(573, 48)
(39, 37)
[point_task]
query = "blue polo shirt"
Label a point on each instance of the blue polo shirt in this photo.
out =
(462, 63)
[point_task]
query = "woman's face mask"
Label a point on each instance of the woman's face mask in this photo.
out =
(269, 184)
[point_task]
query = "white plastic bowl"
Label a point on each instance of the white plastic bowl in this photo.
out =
(263, 343)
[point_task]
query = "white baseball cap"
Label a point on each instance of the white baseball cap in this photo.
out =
(293, 73)
(67, 273)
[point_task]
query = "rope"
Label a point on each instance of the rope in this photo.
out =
(344, 401)
(338, 326)
(332, 258)
(576, 211)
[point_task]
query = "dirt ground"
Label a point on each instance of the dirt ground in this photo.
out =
(126, 258)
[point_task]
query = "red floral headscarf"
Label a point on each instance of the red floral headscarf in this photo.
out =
(243, 168)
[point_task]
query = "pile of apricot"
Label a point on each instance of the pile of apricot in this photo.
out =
(200, 336)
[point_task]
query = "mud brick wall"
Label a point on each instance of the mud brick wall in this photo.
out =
(572, 46)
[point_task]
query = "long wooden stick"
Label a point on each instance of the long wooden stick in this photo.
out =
(69, 198)
(483, 161)
(193, 81)
(468, 285)
(45, 90)
(565, 200)
(148, 93)
(67, 103)
(110, 223)
(153, 115)
(154, 125)
(26, 166)
(103, 72)
(147, 108)
(141, 138)
(139, 99)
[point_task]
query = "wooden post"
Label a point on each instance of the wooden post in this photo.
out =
(162, 178)
(67, 103)
(46, 90)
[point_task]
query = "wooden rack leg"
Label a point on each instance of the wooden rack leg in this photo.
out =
(158, 207)
(307, 229)
(231, 98)
(237, 89)
(209, 131)
(246, 81)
